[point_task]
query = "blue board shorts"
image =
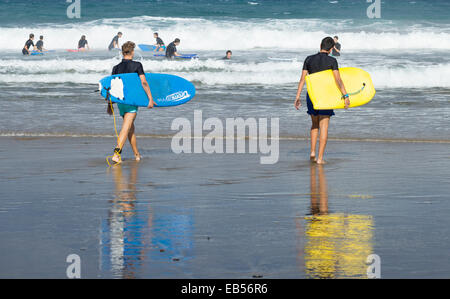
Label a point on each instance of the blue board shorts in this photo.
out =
(312, 111)
(123, 108)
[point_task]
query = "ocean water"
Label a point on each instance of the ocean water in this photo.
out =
(405, 51)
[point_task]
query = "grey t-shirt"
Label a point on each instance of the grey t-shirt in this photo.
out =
(334, 52)
(40, 45)
(116, 40)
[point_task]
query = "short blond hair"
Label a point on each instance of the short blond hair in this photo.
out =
(128, 47)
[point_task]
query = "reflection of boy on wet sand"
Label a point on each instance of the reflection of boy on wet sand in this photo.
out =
(319, 192)
(337, 244)
(129, 236)
(125, 197)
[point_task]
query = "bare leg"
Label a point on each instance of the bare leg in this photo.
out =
(324, 121)
(133, 142)
(314, 135)
(128, 120)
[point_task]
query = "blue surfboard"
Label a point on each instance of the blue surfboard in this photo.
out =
(182, 56)
(149, 48)
(167, 90)
(34, 52)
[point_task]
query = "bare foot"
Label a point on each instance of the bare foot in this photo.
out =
(138, 157)
(321, 162)
(312, 158)
(117, 159)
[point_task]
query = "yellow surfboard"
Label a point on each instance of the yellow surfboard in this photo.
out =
(325, 94)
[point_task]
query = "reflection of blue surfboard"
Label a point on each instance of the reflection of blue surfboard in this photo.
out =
(130, 242)
(173, 234)
(167, 90)
(149, 48)
(182, 56)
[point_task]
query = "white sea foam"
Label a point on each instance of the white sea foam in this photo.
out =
(207, 34)
(214, 72)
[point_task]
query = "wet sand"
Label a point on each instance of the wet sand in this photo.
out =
(222, 215)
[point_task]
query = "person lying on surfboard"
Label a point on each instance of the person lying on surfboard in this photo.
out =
(159, 42)
(83, 43)
(171, 50)
(320, 118)
(129, 112)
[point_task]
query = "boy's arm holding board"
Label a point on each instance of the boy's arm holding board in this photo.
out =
(340, 84)
(147, 91)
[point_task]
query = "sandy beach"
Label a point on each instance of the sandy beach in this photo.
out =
(222, 215)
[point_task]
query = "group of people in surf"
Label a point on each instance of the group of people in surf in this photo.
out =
(83, 45)
(170, 51)
(38, 47)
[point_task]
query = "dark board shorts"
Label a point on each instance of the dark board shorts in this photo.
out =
(312, 111)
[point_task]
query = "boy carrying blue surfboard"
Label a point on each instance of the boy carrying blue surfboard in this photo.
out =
(129, 112)
(320, 118)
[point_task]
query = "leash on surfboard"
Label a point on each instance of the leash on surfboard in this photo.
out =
(117, 150)
(356, 92)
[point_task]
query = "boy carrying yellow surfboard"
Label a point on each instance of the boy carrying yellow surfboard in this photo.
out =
(320, 118)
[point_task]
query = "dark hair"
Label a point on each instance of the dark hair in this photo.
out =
(336, 37)
(128, 47)
(41, 37)
(156, 33)
(177, 40)
(119, 33)
(327, 44)
(229, 51)
(31, 35)
(83, 37)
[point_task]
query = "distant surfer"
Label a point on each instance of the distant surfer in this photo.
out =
(159, 42)
(171, 50)
(83, 43)
(129, 112)
(115, 42)
(28, 44)
(337, 47)
(40, 44)
(320, 118)
(228, 55)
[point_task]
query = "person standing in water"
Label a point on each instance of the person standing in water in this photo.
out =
(40, 44)
(129, 112)
(83, 43)
(228, 55)
(115, 42)
(159, 42)
(337, 47)
(171, 50)
(320, 118)
(28, 44)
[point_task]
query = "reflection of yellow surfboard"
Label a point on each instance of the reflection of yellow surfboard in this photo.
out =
(325, 94)
(338, 245)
